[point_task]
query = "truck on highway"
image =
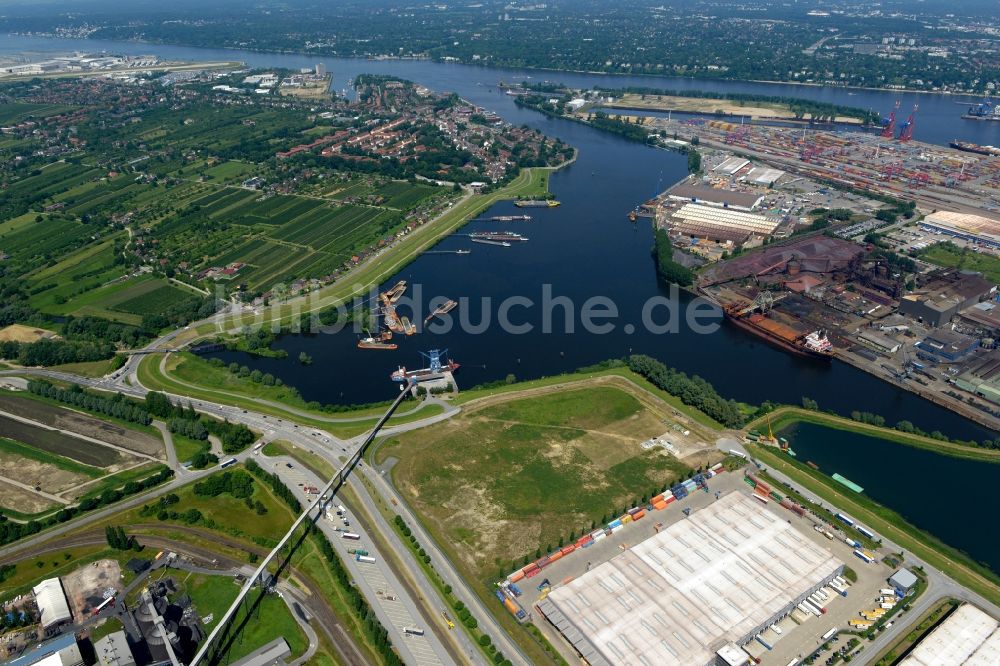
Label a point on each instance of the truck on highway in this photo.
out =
(350, 535)
(413, 631)
(367, 559)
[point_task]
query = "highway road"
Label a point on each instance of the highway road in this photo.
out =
(330, 447)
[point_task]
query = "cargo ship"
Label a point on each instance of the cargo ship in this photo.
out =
(537, 203)
(814, 345)
(435, 370)
(964, 146)
(498, 236)
(443, 309)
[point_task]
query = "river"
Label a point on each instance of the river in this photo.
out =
(895, 476)
(582, 249)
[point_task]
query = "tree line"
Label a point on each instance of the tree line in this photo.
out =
(116, 406)
(693, 391)
(668, 270)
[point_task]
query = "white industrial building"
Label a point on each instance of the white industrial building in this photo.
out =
(974, 228)
(731, 165)
(765, 176)
(51, 601)
(720, 224)
(693, 592)
(969, 637)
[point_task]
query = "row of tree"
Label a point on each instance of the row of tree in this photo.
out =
(667, 269)
(116, 406)
(118, 540)
(693, 390)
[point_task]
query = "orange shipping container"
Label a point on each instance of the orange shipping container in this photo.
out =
(568, 549)
(555, 556)
(516, 576)
(511, 606)
(659, 505)
(658, 498)
(639, 514)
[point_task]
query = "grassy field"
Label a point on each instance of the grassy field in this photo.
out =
(888, 523)
(951, 256)
(33, 569)
(186, 448)
(212, 595)
(318, 464)
(498, 482)
(786, 416)
(89, 368)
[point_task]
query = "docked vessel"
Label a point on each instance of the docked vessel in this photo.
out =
(486, 241)
(498, 236)
(537, 203)
(812, 345)
(435, 370)
(504, 218)
(975, 148)
(376, 343)
(444, 309)
(986, 110)
(407, 326)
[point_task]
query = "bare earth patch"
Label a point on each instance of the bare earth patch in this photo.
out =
(86, 587)
(52, 479)
(23, 501)
(22, 333)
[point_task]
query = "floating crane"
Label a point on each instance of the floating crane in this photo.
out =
(889, 129)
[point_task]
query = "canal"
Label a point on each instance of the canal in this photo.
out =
(953, 501)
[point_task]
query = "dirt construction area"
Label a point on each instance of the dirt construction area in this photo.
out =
(66, 419)
(21, 333)
(24, 501)
(89, 585)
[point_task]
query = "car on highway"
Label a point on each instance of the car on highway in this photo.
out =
(288, 465)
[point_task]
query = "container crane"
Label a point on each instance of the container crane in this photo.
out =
(889, 128)
(906, 132)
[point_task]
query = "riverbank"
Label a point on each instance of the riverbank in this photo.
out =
(785, 416)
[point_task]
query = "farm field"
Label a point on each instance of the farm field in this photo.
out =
(144, 440)
(16, 112)
(127, 300)
(60, 444)
(503, 479)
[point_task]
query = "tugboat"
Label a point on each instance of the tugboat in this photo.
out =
(435, 370)
(376, 343)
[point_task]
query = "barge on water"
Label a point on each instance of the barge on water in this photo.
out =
(537, 203)
(498, 236)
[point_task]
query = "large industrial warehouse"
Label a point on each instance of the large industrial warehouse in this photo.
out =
(721, 224)
(968, 637)
(704, 584)
(974, 228)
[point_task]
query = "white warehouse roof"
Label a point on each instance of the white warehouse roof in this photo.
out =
(684, 593)
(723, 217)
(968, 637)
(51, 602)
